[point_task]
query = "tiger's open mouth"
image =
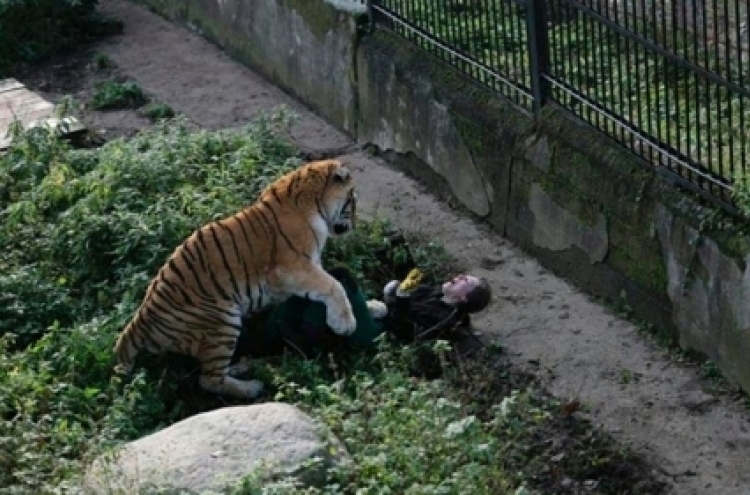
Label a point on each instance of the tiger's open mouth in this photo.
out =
(346, 218)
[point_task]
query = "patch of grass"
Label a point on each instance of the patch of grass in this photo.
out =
(111, 94)
(376, 254)
(101, 61)
(156, 111)
(626, 377)
(404, 435)
(479, 424)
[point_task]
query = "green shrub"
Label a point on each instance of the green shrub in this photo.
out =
(59, 404)
(372, 255)
(31, 30)
(157, 111)
(112, 94)
(30, 303)
(101, 61)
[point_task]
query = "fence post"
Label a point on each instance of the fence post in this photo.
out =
(538, 51)
(370, 17)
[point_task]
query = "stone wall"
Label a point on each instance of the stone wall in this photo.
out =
(589, 210)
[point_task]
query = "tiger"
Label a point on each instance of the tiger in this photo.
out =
(238, 265)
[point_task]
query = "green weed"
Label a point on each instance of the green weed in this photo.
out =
(405, 435)
(157, 111)
(111, 94)
(101, 61)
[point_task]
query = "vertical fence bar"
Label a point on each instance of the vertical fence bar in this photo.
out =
(538, 52)
(370, 16)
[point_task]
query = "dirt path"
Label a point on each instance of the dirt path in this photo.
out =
(700, 442)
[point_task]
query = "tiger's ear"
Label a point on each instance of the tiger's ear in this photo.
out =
(342, 174)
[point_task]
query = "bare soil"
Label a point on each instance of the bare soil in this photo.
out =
(685, 430)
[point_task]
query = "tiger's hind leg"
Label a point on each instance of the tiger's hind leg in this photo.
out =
(240, 367)
(215, 357)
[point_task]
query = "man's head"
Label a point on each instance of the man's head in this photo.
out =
(467, 292)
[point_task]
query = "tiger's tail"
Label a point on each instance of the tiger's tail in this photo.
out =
(126, 348)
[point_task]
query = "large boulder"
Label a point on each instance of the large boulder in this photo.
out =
(215, 451)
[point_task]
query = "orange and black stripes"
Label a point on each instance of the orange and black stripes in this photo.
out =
(195, 303)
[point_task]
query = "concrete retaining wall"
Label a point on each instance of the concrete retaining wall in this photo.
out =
(306, 47)
(587, 209)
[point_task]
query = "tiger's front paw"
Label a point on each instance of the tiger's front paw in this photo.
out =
(342, 323)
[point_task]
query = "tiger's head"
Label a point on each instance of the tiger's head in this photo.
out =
(339, 201)
(325, 187)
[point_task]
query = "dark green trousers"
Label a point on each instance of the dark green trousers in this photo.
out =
(301, 323)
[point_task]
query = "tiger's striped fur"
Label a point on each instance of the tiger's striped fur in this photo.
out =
(241, 264)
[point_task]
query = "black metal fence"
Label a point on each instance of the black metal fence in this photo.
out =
(668, 79)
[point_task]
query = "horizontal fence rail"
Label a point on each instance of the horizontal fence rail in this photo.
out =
(667, 79)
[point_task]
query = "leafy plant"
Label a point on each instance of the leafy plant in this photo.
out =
(111, 94)
(102, 61)
(404, 435)
(158, 111)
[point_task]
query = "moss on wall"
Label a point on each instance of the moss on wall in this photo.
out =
(640, 260)
(591, 178)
